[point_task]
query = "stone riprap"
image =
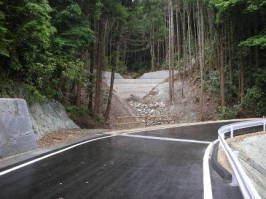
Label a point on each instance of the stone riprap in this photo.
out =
(16, 133)
(48, 117)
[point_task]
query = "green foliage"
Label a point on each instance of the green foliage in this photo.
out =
(6, 87)
(41, 43)
(257, 40)
(3, 31)
(33, 94)
(260, 79)
(76, 112)
(147, 16)
(253, 6)
(29, 32)
(246, 52)
(45, 45)
(249, 5)
(212, 82)
(254, 103)
(227, 8)
(147, 27)
(228, 112)
(73, 31)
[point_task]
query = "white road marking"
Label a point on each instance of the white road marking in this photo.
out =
(207, 185)
(165, 139)
(49, 155)
(76, 145)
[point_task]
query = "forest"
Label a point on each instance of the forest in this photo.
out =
(56, 49)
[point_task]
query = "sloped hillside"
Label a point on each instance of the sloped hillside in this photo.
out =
(186, 106)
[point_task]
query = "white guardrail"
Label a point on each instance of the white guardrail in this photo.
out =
(239, 176)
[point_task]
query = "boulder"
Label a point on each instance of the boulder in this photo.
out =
(16, 133)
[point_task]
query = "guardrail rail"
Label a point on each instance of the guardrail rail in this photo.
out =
(239, 176)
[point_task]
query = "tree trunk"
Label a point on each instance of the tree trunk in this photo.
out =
(78, 94)
(158, 54)
(110, 96)
(201, 53)
(152, 50)
(92, 62)
(66, 93)
(241, 81)
(99, 62)
(222, 70)
(171, 53)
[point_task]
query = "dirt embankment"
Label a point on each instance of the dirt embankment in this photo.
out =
(186, 101)
(66, 136)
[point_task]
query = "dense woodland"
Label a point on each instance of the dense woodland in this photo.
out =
(57, 48)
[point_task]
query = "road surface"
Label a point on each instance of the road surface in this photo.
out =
(161, 164)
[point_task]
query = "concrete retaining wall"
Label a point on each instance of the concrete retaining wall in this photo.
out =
(16, 133)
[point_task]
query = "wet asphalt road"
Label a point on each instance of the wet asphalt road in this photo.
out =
(207, 132)
(116, 168)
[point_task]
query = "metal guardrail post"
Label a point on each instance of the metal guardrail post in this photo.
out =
(232, 132)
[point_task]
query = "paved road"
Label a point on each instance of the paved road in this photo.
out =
(207, 132)
(116, 167)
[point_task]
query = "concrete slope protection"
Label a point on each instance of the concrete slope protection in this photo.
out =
(49, 116)
(16, 133)
(20, 127)
(137, 166)
(138, 87)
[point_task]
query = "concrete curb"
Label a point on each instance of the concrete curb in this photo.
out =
(207, 181)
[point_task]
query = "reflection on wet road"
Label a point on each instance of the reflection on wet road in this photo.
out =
(116, 167)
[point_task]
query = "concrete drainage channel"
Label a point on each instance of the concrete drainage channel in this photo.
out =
(153, 163)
